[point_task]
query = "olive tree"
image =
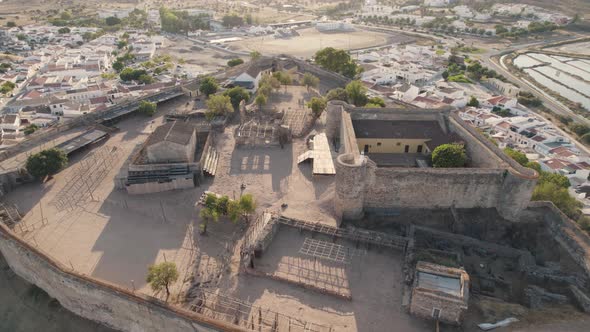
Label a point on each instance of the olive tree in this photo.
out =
(162, 275)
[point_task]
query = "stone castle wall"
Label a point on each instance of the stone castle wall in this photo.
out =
(97, 300)
(493, 180)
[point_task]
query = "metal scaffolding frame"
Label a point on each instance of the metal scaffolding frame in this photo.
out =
(9, 215)
(84, 179)
(246, 315)
(328, 250)
(352, 234)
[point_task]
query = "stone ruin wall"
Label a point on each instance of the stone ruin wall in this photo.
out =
(97, 300)
(495, 182)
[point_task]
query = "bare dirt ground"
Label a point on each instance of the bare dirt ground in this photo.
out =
(198, 59)
(310, 41)
(373, 278)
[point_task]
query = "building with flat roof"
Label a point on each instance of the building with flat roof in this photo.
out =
(439, 293)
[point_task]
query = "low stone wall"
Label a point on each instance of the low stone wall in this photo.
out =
(97, 300)
(566, 232)
(156, 187)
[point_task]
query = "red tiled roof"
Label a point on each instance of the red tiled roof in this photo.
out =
(562, 151)
(555, 164)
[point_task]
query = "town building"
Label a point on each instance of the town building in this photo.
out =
(170, 158)
(439, 293)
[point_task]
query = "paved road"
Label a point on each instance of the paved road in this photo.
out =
(550, 102)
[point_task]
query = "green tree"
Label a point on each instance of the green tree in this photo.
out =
(63, 30)
(233, 211)
(473, 102)
(557, 179)
(337, 61)
(283, 77)
(208, 86)
(162, 275)
(146, 79)
(236, 95)
(46, 162)
(118, 66)
(147, 108)
(130, 74)
(337, 94)
(235, 62)
(549, 191)
(449, 155)
(218, 105)
(317, 106)
(112, 20)
(233, 20)
(534, 165)
(10, 24)
(376, 101)
(247, 204)
(579, 129)
(357, 93)
(518, 156)
(260, 100)
(271, 81)
(121, 44)
(255, 55)
(310, 81)
(7, 87)
(207, 215)
(31, 129)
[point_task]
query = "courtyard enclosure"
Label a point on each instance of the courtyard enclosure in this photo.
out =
(362, 184)
(98, 300)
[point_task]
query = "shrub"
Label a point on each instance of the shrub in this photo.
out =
(147, 108)
(518, 156)
(449, 155)
(317, 106)
(235, 62)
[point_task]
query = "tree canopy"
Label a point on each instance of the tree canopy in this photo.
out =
(130, 74)
(232, 20)
(520, 157)
(449, 155)
(310, 81)
(235, 62)
(337, 94)
(208, 86)
(317, 106)
(236, 95)
(176, 21)
(357, 93)
(46, 162)
(218, 105)
(147, 108)
(161, 276)
(473, 102)
(336, 60)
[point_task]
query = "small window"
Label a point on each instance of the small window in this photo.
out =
(378, 143)
(419, 150)
(398, 144)
(407, 149)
